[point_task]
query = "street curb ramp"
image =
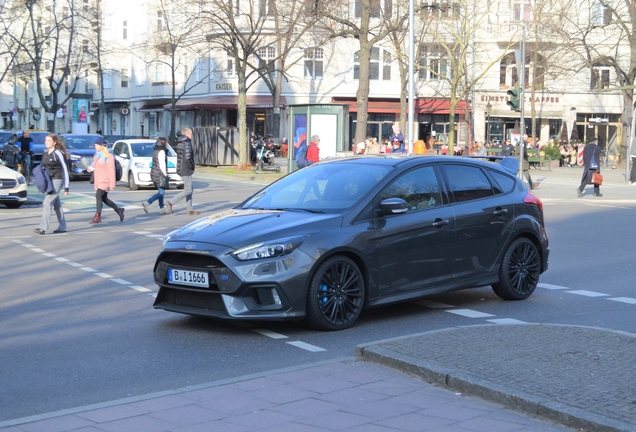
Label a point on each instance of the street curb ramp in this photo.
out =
(467, 384)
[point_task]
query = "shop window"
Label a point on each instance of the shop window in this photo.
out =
(379, 57)
(314, 63)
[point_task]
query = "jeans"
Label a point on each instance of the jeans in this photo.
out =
(25, 158)
(101, 197)
(53, 202)
(185, 193)
(158, 196)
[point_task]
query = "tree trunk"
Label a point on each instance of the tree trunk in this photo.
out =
(244, 149)
(362, 95)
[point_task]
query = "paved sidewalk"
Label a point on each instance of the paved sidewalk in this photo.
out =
(554, 376)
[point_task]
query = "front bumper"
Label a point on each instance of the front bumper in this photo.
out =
(273, 289)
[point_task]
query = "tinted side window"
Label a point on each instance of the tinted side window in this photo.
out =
(119, 147)
(418, 187)
(504, 183)
(468, 182)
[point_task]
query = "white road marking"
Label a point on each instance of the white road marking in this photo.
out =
(28, 245)
(139, 288)
(270, 334)
(587, 293)
(623, 300)
(505, 321)
(38, 250)
(433, 304)
(122, 281)
(469, 313)
(74, 264)
(17, 241)
(155, 235)
(551, 287)
(306, 346)
(88, 269)
(49, 254)
(61, 259)
(104, 275)
(142, 232)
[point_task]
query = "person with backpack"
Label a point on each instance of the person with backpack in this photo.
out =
(308, 154)
(104, 180)
(159, 175)
(54, 160)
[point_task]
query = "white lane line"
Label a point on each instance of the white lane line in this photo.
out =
(122, 281)
(551, 287)
(270, 334)
(506, 321)
(468, 313)
(17, 241)
(587, 293)
(155, 235)
(74, 264)
(433, 304)
(38, 250)
(49, 254)
(28, 245)
(623, 300)
(104, 275)
(61, 259)
(142, 232)
(88, 269)
(139, 288)
(306, 346)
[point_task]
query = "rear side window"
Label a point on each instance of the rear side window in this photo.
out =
(503, 183)
(468, 182)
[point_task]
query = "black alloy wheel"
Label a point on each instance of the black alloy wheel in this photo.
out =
(336, 294)
(519, 272)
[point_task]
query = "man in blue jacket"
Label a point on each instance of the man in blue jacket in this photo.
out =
(185, 168)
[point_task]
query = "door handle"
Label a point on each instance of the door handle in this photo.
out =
(500, 211)
(440, 223)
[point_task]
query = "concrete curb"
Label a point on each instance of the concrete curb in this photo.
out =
(465, 383)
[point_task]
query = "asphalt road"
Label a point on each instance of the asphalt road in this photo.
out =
(77, 325)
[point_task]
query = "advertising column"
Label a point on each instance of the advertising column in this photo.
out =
(80, 116)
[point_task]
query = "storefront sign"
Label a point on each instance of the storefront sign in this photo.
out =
(503, 98)
(224, 86)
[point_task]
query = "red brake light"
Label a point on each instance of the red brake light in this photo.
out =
(531, 198)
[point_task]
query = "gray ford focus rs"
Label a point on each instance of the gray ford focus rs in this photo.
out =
(326, 241)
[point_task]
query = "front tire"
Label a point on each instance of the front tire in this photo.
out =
(13, 205)
(131, 181)
(336, 294)
(519, 272)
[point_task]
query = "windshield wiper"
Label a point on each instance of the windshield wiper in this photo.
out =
(299, 210)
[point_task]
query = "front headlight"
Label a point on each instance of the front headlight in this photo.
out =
(75, 157)
(269, 249)
(21, 179)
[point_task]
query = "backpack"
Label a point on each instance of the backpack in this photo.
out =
(118, 170)
(301, 157)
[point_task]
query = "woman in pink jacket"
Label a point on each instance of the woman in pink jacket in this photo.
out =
(103, 169)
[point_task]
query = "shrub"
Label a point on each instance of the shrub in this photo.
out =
(552, 150)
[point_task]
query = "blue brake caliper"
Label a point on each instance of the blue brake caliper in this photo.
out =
(323, 294)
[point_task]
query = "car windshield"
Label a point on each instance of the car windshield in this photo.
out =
(146, 149)
(77, 143)
(327, 188)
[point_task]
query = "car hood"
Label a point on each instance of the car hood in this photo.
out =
(82, 152)
(237, 228)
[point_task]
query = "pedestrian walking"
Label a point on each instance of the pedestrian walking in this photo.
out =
(54, 159)
(104, 180)
(159, 175)
(185, 168)
(526, 163)
(632, 154)
(591, 165)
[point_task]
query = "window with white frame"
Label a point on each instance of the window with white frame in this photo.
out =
(230, 67)
(125, 30)
(509, 76)
(124, 78)
(314, 63)
(379, 65)
(601, 13)
(108, 80)
(600, 78)
(432, 64)
(139, 72)
(440, 8)
(160, 21)
(521, 11)
(266, 62)
(159, 72)
(378, 7)
(267, 7)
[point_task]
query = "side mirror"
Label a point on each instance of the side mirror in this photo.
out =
(391, 206)
(123, 156)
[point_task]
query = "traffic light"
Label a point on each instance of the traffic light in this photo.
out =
(514, 101)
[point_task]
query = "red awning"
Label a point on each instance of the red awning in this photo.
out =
(421, 106)
(224, 102)
(158, 107)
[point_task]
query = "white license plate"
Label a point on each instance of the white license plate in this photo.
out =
(188, 277)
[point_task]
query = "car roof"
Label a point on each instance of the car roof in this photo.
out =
(137, 141)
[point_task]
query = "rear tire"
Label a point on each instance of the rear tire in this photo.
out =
(336, 294)
(519, 272)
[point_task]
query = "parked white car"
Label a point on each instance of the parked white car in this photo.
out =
(13, 187)
(135, 157)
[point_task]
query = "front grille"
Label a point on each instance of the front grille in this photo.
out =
(195, 299)
(8, 183)
(192, 260)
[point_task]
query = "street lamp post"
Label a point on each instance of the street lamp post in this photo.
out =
(488, 109)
